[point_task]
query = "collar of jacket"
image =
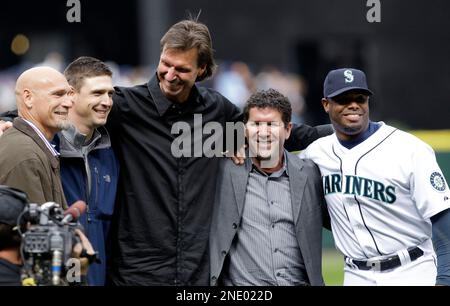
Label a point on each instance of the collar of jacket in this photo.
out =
(72, 142)
(25, 128)
(160, 100)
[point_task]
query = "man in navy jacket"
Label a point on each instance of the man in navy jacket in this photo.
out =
(89, 168)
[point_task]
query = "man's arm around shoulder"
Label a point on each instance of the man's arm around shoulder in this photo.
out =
(303, 135)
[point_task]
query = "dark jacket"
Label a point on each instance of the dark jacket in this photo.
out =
(27, 164)
(308, 208)
(99, 161)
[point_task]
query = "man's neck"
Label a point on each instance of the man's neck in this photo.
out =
(82, 128)
(12, 256)
(264, 165)
(354, 141)
(342, 136)
(49, 135)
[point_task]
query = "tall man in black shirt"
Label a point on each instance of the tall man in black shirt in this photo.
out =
(164, 203)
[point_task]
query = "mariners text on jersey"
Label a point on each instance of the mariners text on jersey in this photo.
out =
(359, 186)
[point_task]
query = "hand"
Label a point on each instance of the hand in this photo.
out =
(4, 125)
(239, 157)
(83, 245)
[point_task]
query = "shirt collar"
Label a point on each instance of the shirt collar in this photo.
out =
(160, 100)
(278, 173)
(46, 142)
(371, 129)
(73, 143)
(77, 139)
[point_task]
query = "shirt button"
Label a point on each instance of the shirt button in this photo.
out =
(234, 226)
(278, 274)
(275, 251)
(224, 253)
(273, 225)
(272, 202)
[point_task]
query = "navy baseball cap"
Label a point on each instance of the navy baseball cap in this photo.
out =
(341, 80)
(12, 203)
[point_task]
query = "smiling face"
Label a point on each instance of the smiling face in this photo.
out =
(177, 72)
(266, 134)
(51, 104)
(349, 114)
(92, 103)
(43, 98)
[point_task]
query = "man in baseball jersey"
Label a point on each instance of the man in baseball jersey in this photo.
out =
(386, 195)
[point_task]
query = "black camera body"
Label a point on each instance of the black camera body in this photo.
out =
(47, 244)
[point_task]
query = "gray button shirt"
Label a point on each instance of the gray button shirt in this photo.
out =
(265, 251)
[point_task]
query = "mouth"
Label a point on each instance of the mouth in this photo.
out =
(101, 112)
(61, 114)
(264, 144)
(352, 117)
(173, 84)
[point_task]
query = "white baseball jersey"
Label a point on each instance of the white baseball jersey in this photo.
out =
(381, 193)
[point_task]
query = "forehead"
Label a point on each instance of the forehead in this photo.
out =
(97, 82)
(54, 83)
(179, 57)
(264, 114)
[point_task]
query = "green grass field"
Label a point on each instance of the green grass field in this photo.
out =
(333, 267)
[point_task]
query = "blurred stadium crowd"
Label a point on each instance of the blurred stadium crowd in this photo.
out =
(235, 80)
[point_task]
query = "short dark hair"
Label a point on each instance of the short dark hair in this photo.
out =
(188, 34)
(9, 237)
(270, 98)
(85, 67)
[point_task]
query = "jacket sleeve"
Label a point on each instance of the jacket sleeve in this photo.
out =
(114, 121)
(326, 222)
(27, 177)
(303, 135)
(232, 114)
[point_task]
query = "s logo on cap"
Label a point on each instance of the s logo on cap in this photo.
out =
(348, 76)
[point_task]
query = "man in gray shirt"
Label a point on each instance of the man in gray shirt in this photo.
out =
(267, 223)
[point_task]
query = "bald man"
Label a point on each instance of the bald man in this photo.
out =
(27, 159)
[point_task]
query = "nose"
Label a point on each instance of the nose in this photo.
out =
(353, 105)
(67, 101)
(263, 130)
(171, 74)
(106, 102)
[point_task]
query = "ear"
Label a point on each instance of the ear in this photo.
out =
(202, 70)
(72, 93)
(326, 105)
(288, 130)
(27, 97)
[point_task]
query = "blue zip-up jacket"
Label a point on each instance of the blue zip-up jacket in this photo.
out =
(93, 165)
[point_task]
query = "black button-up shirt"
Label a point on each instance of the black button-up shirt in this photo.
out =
(164, 204)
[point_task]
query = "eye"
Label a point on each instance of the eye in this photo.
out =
(360, 99)
(183, 70)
